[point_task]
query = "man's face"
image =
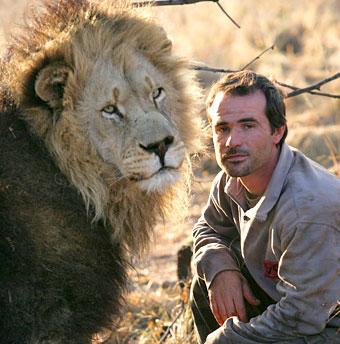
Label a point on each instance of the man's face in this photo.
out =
(243, 139)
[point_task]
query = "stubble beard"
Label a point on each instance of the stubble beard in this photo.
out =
(254, 162)
(237, 169)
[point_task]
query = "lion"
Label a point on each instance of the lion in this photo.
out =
(95, 149)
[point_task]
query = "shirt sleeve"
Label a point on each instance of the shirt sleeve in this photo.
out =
(309, 287)
(216, 239)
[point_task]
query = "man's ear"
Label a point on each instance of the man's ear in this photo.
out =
(278, 133)
(50, 83)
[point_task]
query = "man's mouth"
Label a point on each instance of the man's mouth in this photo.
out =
(235, 157)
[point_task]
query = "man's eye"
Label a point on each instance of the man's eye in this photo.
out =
(111, 111)
(248, 126)
(158, 93)
(221, 130)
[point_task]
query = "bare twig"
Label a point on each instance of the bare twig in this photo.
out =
(166, 333)
(297, 91)
(168, 2)
(257, 57)
(314, 86)
(322, 94)
(336, 312)
(224, 11)
(203, 67)
(181, 2)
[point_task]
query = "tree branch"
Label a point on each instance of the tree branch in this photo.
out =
(322, 94)
(297, 91)
(203, 67)
(181, 2)
(167, 2)
(316, 86)
(257, 57)
(225, 12)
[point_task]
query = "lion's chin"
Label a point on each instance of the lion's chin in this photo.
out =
(159, 181)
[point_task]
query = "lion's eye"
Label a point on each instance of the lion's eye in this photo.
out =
(111, 111)
(158, 93)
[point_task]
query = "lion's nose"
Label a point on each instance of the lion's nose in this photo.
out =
(159, 148)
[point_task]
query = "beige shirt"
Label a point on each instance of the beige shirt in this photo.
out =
(290, 243)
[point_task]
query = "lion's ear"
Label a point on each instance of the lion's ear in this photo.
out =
(157, 42)
(166, 46)
(50, 83)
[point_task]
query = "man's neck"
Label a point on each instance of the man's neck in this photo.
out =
(257, 182)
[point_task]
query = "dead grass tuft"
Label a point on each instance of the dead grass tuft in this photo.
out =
(321, 144)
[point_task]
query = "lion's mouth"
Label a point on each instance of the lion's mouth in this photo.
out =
(162, 170)
(159, 180)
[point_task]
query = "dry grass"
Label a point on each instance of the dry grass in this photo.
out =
(149, 314)
(307, 50)
(320, 143)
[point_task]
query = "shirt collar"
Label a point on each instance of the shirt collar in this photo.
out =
(235, 189)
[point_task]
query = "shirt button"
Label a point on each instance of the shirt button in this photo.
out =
(246, 218)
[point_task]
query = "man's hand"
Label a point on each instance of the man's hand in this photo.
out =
(227, 293)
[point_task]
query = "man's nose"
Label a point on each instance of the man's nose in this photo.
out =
(234, 139)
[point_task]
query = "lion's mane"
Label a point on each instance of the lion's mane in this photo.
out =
(67, 221)
(61, 33)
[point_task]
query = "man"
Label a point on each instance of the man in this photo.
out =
(267, 246)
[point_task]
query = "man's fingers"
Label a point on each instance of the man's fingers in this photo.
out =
(240, 309)
(222, 310)
(219, 315)
(216, 312)
(227, 293)
(229, 310)
(248, 295)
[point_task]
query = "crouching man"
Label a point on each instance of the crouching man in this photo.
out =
(267, 246)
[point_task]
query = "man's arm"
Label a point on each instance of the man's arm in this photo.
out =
(216, 239)
(216, 243)
(309, 285)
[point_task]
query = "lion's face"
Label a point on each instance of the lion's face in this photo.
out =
(117, 110)
(128, 119)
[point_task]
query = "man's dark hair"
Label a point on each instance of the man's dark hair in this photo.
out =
(245, 82)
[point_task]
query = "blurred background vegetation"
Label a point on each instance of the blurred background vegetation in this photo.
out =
(306, 36)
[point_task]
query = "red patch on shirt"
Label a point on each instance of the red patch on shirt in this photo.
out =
(270, 269)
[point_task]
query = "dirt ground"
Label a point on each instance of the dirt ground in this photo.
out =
(159, 265)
